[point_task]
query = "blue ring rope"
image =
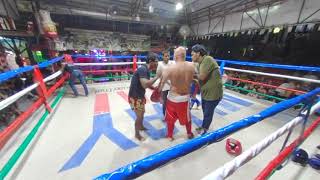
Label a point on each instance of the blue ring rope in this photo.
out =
(13, 73)
(239, 62)
(140, 167)
(10, 74)
(276, 66)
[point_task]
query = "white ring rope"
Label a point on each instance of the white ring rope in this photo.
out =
(107, 63)
(6, 102)
(274, 75)
(226, 68)
(52, 76)
(230, 167)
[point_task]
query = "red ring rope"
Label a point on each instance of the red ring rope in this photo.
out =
(97, 71)
(286, 152)
(266, 85)
(13, 127)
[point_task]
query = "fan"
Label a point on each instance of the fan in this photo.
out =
(184, 31)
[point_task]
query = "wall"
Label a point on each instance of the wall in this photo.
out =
(9, 8)
(90, 39)
(278, 14)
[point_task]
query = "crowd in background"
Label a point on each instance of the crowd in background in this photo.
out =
(13, 86)
(9, 88)
(279, 82)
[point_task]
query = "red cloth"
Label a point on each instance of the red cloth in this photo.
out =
(82, 60)
(176, 111)
(68, 58)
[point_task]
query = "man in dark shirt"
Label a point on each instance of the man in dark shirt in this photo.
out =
(74, 74)
(139, 82)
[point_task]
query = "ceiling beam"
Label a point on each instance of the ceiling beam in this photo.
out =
(135, 7)
(154, 20)
(226, 9)
(211, 6)
(220, 7)
(243, 6)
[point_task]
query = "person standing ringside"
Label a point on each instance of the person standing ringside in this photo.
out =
(211, 86)
(162, 66)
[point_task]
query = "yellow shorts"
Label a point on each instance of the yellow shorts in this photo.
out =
(137, 104)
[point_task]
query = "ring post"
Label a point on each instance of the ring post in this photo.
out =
(41, 89)
(134, 67)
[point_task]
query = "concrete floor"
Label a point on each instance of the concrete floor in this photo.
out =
(76, 142)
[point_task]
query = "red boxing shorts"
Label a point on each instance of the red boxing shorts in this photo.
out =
(178, 108)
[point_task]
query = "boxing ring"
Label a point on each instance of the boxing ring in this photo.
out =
(62, 137)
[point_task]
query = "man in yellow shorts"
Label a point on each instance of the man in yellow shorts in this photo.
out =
(139, 82)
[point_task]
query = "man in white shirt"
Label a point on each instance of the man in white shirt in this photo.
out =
(308, 86)
(161, 67)
(284, 93)
(310, 75)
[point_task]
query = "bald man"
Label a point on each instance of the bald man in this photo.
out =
(180, 76)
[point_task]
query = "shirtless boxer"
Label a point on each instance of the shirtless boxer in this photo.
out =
(180, 75)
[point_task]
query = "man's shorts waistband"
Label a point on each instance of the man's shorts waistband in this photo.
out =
(178, 98)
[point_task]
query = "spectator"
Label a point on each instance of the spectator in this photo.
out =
(162, 66)
(11, 111)
(74, 74)
(281, 93)
(261, 90)
(308, 86)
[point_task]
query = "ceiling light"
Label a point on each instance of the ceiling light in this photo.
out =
(151, 9)
(108, 16)
(138, 18)
(9, 52)
(276, 30)
(179, 6)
